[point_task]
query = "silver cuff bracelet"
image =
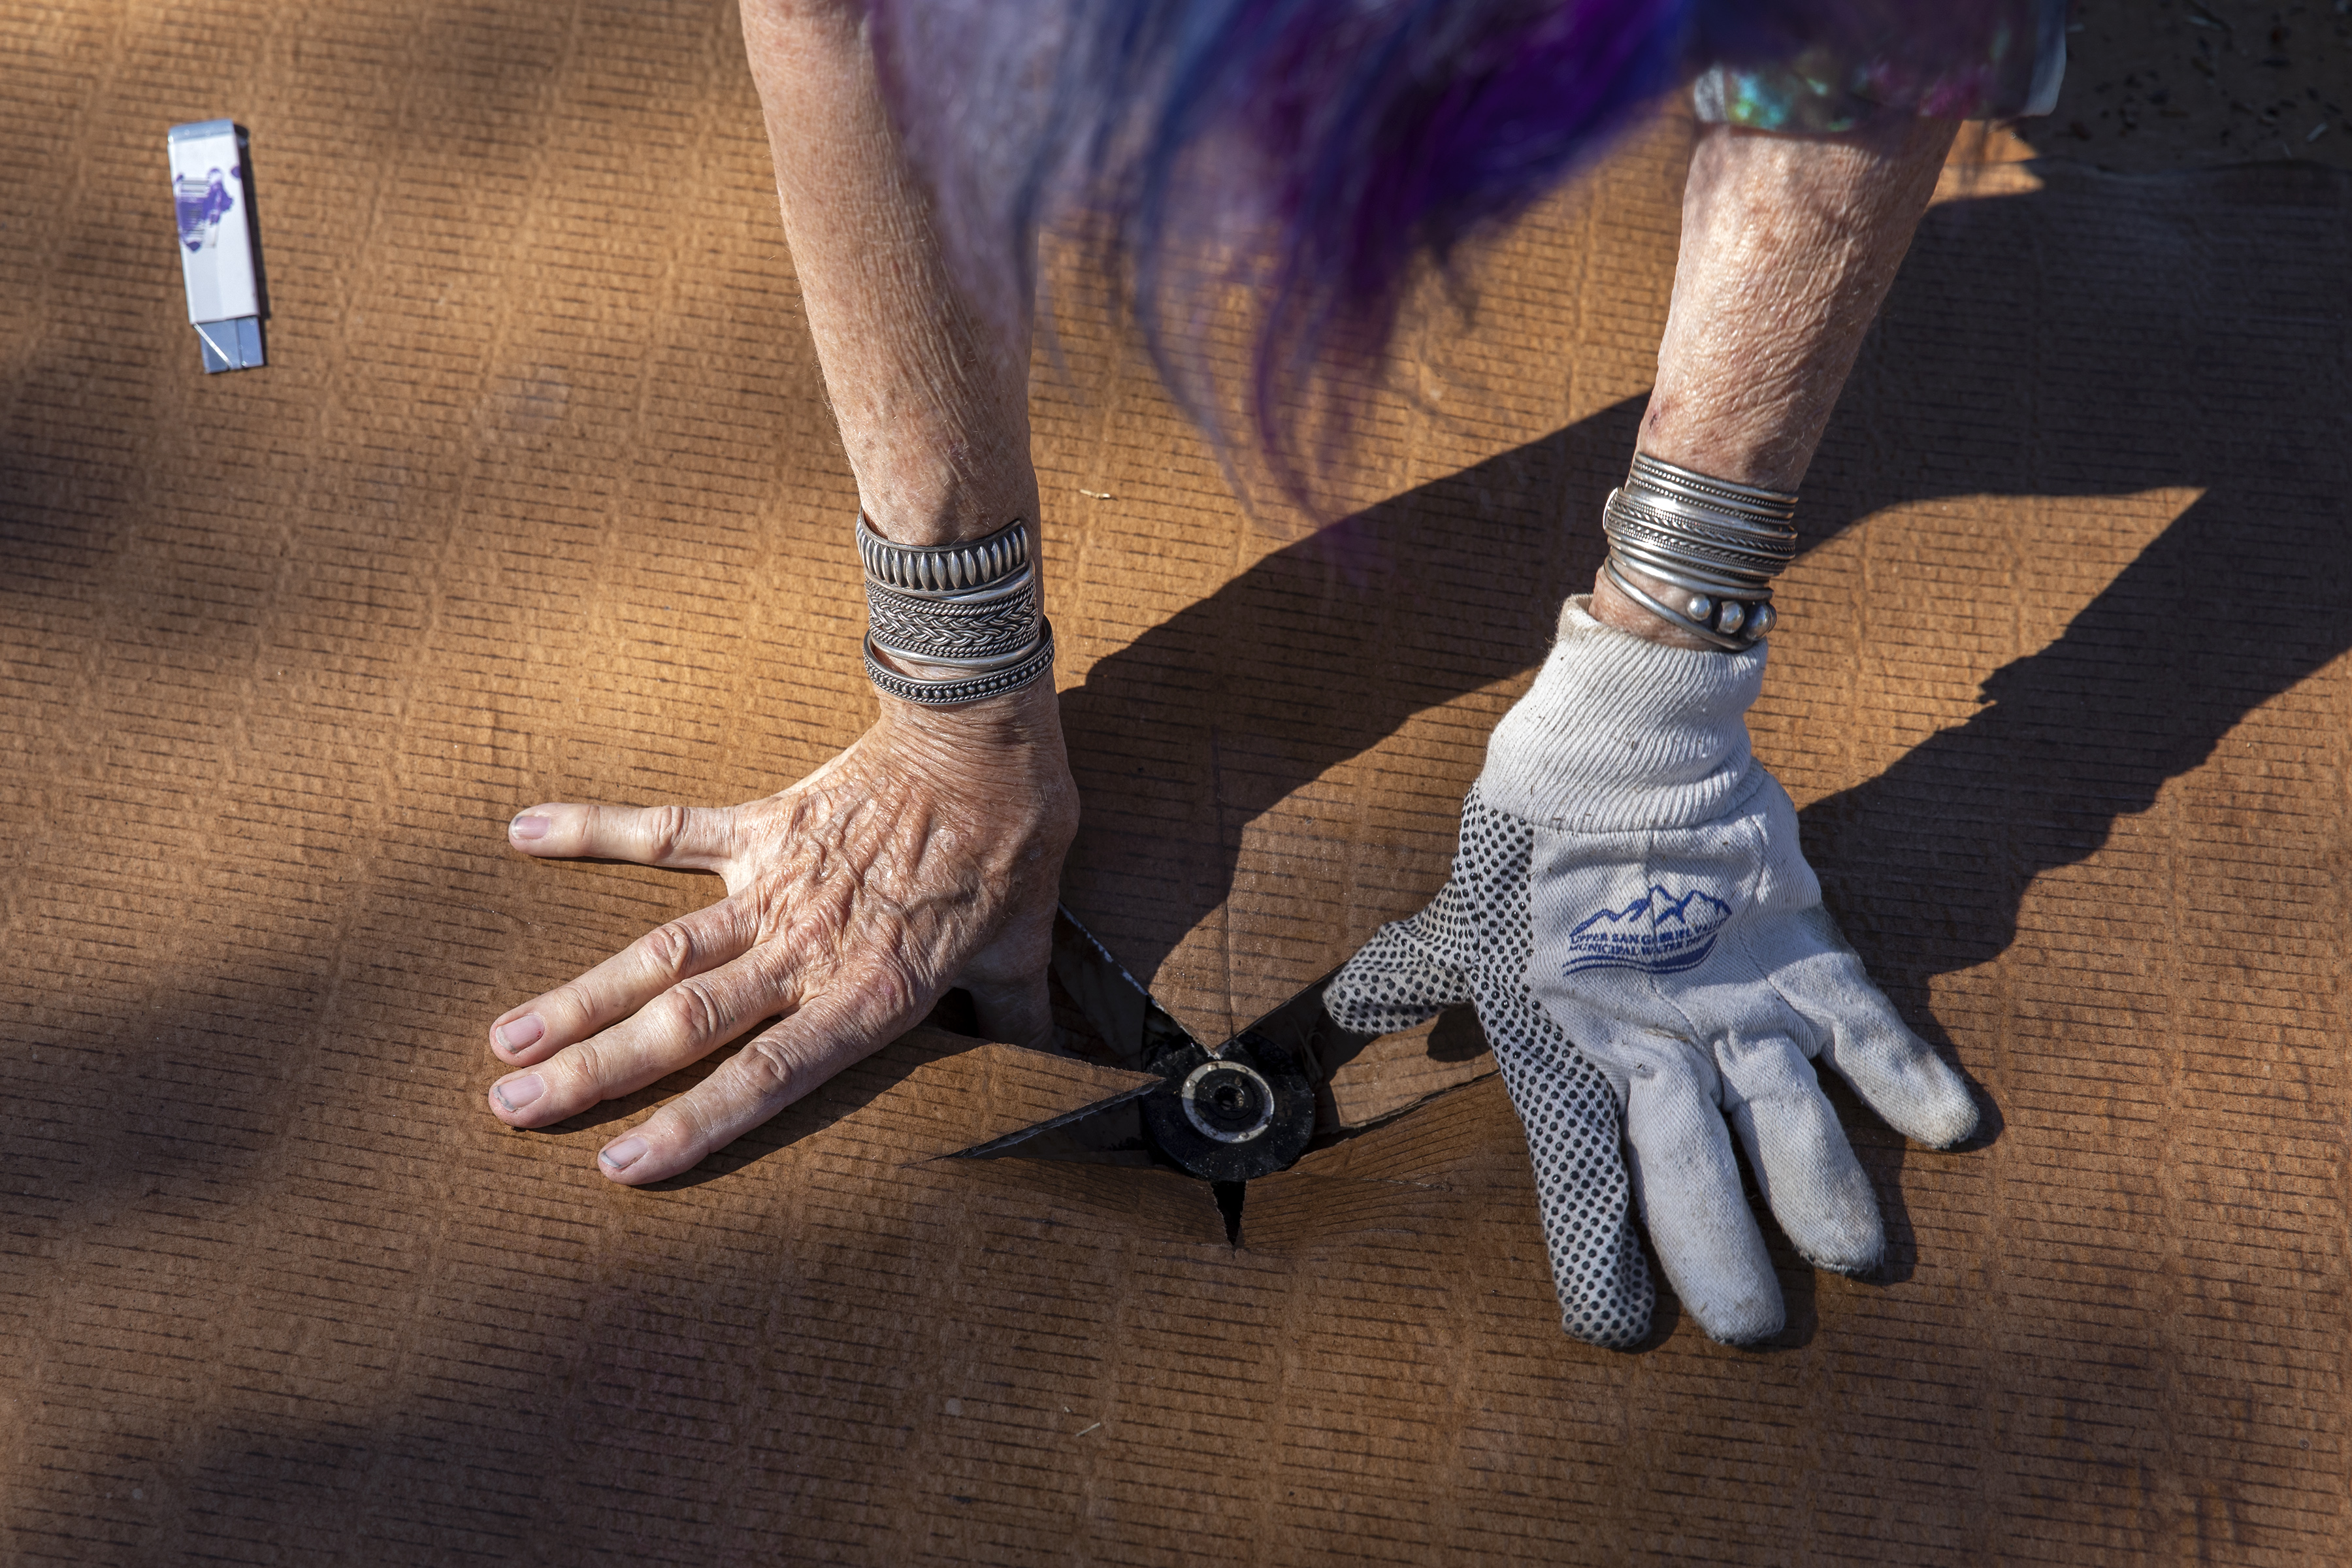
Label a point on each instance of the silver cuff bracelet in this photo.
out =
(945, 569)
(956, 622)
(1717, 543)
(954, 631)
(969, 686)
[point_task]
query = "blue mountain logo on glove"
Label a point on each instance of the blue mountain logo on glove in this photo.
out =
(1657, 933)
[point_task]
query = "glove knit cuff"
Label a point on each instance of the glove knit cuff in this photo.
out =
(1620, 733)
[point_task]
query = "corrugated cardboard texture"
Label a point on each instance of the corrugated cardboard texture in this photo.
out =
(538, 498)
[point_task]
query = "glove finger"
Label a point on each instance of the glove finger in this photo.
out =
(1570, 1111)
(1395, 981)
(1816, 1188)
(1687, 1183)
(1897, 1073)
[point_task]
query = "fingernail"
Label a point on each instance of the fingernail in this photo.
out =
(528, 826)
(516, 1033)
(624, 1154)
(516, 1092)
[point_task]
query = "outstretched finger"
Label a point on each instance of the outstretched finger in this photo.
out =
(777, 1068)
(1568, 1108)
(681, 837)
(1687, 1183)
(614, 989)
(679, 1027)
(1398, 979)
(1897, 1073)
(1813, 1183)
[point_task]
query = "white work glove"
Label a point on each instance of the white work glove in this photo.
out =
(1629, 879)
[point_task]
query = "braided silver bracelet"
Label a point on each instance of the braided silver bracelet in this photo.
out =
(957, 622)
(1720, 543)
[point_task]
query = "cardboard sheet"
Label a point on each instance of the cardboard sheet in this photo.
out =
(538, 499)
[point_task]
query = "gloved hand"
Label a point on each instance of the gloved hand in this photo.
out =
(1629, 880)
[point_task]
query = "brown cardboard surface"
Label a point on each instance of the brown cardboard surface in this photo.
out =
(538, 499)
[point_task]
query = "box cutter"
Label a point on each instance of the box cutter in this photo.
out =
(1226, 1112)
(220, 249)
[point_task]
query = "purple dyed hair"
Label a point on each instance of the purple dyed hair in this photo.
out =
(1323, 153)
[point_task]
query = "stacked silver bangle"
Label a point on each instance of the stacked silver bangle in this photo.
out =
(1719, 544)
(958, 622)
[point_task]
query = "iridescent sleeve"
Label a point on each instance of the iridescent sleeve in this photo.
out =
(1971, 61)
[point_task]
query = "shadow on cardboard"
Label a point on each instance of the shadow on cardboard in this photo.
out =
(2182, 334)
(2161, 347)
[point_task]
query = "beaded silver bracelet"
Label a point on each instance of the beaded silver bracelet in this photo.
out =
(954, 622)
(970, 687)
(1718, 542)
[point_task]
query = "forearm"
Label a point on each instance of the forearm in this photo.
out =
(930, 395)
(1788, 246)
(928, 390)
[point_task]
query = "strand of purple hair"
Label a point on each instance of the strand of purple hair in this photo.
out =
(1324, 154)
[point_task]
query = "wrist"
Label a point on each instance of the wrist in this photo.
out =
(1614, 608)
(949, 511)
(999, 761)
(1622, 732)
(1698, 553)
(1020, 722)
(955, 624)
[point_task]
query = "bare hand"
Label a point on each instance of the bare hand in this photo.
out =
(926, 856)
